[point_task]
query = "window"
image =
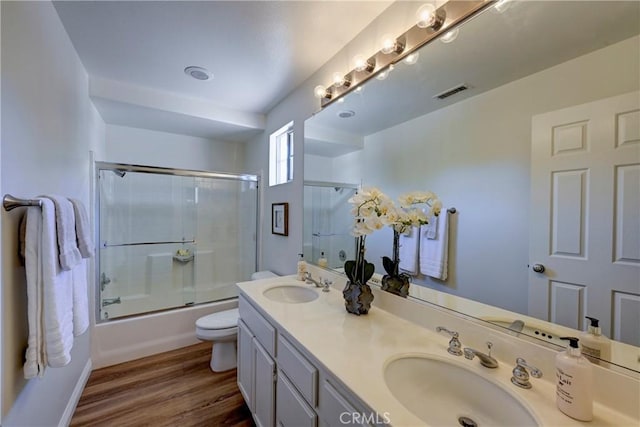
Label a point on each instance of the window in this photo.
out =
(281, 155)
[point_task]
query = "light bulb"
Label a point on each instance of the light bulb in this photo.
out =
(412, 59)
(338, 79)
(450, 36)
(388, 44)
(383, 75)
(359, 62)
(320, 92)
(426, 15)
(359, 89)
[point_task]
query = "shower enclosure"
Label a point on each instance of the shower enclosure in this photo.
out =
(328, 222)
(170, 238)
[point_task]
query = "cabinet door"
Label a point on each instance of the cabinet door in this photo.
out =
(264, 387)
(291, 409)
(245, 364)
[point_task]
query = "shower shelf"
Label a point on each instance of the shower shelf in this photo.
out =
(181, 258)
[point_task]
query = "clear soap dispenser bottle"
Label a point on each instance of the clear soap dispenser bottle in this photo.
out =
(595, 346)
(574, 382)
(302, 267)
(322, 261)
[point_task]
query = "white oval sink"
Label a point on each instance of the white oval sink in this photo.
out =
(290, 294)
(445, 394)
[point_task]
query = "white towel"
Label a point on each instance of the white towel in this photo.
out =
(409, 251)
(432, 228)
(83, 229)
(434, 252)
(80, 299)
(57, 295)
(69, 254)
(35, 361)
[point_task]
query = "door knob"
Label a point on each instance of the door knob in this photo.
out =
(538, 268)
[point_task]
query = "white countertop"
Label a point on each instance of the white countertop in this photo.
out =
(356, 348)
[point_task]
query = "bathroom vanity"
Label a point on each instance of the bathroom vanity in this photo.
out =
(304, 361)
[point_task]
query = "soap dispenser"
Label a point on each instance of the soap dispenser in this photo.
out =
(322, 261)
(574, 382)
(595, 346)
(302, 267)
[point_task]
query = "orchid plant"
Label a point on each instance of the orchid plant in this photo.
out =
(373, 210)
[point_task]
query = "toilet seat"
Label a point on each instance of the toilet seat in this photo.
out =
(221, 326)
(220, 320)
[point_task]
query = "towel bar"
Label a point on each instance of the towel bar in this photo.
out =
(10, 202)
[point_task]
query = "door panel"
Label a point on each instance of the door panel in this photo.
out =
(585, 215)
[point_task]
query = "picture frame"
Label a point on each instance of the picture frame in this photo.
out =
(280, 219)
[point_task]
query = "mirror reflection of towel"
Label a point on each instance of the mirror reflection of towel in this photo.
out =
(434, 253)
(409, 251)
(432, 228)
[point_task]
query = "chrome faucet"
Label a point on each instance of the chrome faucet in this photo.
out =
(485, 359)
(321, 283)
(521, 376)
(455, 347)
(109, 301)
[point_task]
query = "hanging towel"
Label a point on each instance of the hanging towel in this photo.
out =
(80, 299)
(69, 254)
(57, 294)
(409, 251)
(83, 229)
(35, 362)
(432, 228)
(434, 252)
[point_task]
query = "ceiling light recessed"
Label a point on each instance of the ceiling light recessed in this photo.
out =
(345, 114)
(198, 73)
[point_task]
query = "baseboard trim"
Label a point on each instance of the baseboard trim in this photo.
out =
(75, 396)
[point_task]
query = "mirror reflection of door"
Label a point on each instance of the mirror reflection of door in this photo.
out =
(585, 216)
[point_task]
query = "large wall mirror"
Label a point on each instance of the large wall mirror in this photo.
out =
(540, 156)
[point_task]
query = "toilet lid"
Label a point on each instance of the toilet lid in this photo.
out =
(221, 320)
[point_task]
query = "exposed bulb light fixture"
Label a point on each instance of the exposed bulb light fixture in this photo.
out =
(340, 79)
(321, 92)
(429, 26)
(361, 63)
(450, 36)
(426, 15)
(412, 59)
(391, 45)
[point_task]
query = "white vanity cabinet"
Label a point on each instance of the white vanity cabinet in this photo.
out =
(283, 385)
(256, 365)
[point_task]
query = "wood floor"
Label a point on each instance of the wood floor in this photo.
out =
(176, 388)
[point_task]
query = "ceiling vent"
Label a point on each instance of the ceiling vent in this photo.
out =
(449, 92)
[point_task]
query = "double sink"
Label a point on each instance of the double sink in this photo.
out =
(437, 390)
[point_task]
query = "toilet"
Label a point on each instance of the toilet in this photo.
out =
(222, 329)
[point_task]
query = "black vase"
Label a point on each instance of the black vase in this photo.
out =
(357, 298)
(397, 285)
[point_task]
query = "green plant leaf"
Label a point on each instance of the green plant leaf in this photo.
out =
(369, 269)
(350, 270)
(389, 265)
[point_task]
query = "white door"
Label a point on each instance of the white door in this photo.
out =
(585, 216)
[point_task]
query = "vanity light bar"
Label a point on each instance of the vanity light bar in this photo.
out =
(446, 16)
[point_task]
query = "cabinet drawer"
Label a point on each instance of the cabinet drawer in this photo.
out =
(303, 375)
(292, 410)
(261, 329)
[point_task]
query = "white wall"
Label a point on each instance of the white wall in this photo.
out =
(476, 158)
(153, 148)
(49, 127)
(279, 253)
